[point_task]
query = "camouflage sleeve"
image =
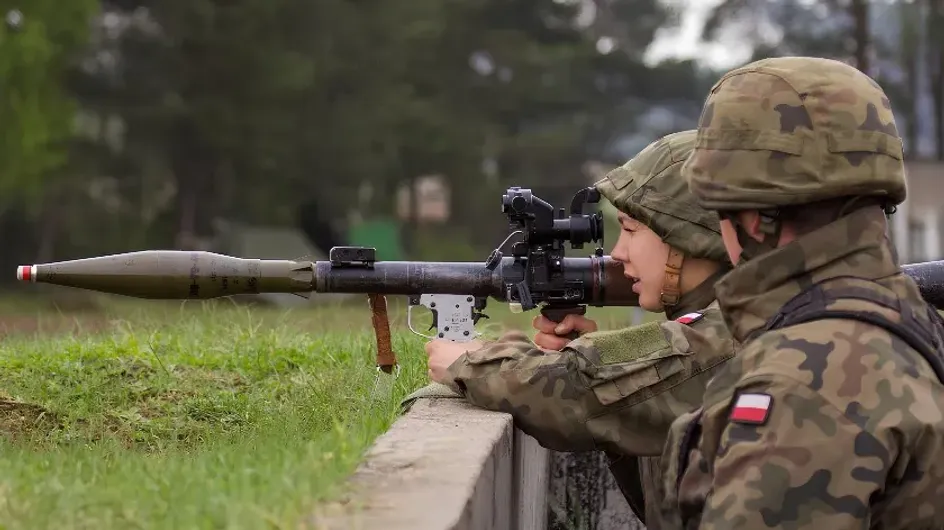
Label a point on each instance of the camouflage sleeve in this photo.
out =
(547, 393)
(615, 390)
(788, 458)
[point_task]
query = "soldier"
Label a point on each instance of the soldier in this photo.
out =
(618, 391)
(832, 414)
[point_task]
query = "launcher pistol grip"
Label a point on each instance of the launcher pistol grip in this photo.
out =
(557, 314)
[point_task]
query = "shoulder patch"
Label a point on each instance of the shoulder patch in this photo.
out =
(690, 318)
(752, 409)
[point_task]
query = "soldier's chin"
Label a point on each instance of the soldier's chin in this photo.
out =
(650, 302)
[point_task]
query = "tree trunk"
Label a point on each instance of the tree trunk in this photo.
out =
(187, 209)
(937, 85)
(911, 129)
(860, 17)
(911, 34)
(194, 172)
(936, 71)
(50, 223)
(413, 216)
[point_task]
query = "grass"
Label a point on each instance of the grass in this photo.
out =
(196, 415)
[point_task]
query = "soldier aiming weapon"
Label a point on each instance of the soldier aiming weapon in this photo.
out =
(536, 274)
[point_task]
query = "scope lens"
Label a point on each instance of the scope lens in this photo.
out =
(519, 203)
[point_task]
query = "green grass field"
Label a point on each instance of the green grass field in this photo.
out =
(195, 415)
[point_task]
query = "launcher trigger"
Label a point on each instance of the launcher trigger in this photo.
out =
(478, 308)
(453, 315)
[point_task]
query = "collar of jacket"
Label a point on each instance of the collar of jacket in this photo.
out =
(856, 245)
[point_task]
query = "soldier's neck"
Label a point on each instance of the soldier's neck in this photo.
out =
(855, 246)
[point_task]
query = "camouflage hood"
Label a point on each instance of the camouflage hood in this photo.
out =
(755, 291)
(650, 188)
(795, 130)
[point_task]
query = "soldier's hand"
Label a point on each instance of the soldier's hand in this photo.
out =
(442, 353)
(553, 335)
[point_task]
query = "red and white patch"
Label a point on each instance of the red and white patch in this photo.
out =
(751, 408)
(689, 318)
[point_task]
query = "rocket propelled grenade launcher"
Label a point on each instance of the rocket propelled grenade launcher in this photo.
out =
(537, 273)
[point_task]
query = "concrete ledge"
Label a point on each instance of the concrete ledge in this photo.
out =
(445, 465)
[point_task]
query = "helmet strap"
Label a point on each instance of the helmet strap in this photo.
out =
(671, 290)
(770, 226)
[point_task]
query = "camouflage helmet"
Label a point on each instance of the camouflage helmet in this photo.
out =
(795, 130)
(650, 189)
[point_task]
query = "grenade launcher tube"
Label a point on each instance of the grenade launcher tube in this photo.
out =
(408, 277)
(602, 278)
(175, 275)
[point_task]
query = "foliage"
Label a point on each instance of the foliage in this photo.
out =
(193, 112)
(198, 110)
(38, 45)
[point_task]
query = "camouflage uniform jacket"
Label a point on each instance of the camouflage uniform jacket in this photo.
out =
(616, 391)
(832, 423)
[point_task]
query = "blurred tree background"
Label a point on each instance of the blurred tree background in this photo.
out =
(134, 124)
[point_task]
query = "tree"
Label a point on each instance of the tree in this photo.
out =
(204, 89)
(826, 28)
(38, 47)
(255, 108)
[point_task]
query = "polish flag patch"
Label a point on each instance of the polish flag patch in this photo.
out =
(751, 408)
(689, 318)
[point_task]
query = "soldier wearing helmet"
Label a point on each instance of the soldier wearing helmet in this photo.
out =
(832, 414)
(620, 390)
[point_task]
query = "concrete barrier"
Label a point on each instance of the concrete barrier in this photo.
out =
(583, 495)
(447, 465)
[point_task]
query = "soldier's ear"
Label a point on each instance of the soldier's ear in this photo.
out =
(750, 222)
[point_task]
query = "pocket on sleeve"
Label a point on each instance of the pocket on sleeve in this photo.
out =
(616, 382)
